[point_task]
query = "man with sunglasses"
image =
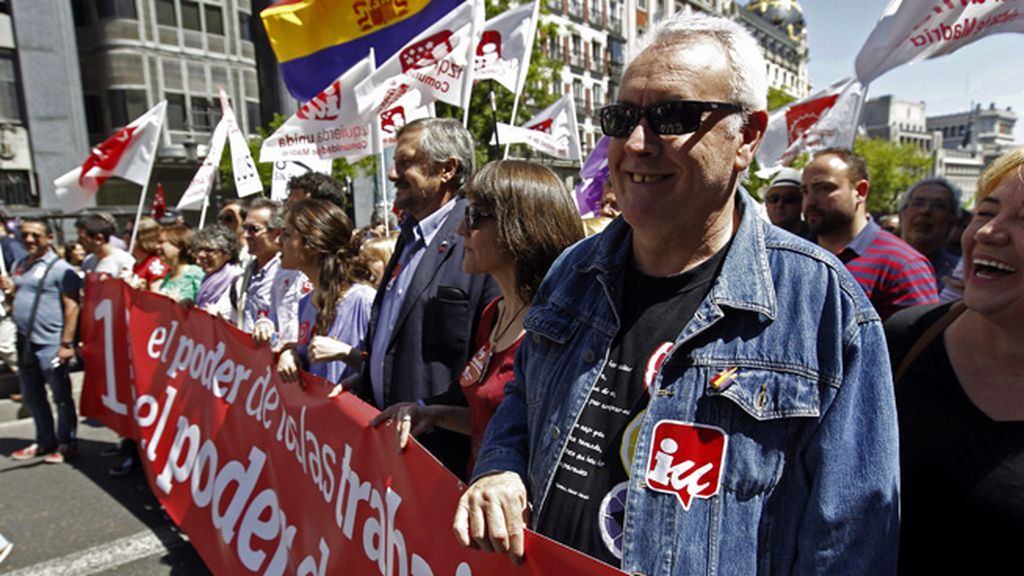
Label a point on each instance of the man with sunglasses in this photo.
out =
(783, 202)
(265, 297)
(698, 391)
(425, 314)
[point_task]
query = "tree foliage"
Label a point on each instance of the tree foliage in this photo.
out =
(892, 169)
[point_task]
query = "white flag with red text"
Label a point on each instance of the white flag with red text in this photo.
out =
(328, 126)
(912, 31)
(552, 131)
(201, 184)
(402, 111)
(433, 65)
(247, 178)
(128, 154)
(503, 51)
(827, 118)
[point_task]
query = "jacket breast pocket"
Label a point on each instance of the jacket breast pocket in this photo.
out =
(763, 413)
(446, 325)
(550, 359)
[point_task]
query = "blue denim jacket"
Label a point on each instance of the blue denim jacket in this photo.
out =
(810, 479)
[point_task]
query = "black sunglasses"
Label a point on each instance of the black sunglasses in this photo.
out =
(473, 217)
(665, 118)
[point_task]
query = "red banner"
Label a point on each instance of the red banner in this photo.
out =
(266, 477)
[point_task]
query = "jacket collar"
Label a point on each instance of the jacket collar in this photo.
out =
(744, 282)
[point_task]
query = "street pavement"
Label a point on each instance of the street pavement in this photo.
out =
(76, 519)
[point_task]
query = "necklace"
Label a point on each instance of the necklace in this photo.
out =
(501, 332)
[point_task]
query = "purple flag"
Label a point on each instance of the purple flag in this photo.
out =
(593, 175)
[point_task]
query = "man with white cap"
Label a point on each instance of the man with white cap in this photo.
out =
(783, 201)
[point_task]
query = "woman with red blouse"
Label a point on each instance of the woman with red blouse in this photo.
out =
(518, 219)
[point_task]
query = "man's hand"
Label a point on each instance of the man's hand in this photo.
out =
(65, 354)
(492, 515)
(410, 419)
(324, 348)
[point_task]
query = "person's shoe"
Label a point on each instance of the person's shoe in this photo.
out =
(16, 397)
(62, 454)
(130, 464)
(28, 452)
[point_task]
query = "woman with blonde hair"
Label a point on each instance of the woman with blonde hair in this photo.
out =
(960, 397)
(149, 268)
(317, 240)
(518, 219)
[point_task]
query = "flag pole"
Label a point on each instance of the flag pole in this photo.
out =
(202, 215)
(523, 69)
(145, 187)
(494, 118)
(378, 143)
(467, 88)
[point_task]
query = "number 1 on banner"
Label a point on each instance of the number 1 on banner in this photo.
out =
(104, 312)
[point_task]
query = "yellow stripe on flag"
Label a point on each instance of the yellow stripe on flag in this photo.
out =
(302, 28)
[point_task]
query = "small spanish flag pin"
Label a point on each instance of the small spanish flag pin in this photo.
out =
(724, 379)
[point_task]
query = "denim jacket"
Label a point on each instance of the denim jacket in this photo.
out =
(810, 478)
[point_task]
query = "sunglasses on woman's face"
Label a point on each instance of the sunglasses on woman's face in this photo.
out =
(671, 118)
(474, 217)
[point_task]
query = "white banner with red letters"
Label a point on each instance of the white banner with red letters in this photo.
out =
(910, 31)
(267, 477)
(553, 131)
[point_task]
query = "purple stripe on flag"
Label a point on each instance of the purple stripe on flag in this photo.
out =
(593, 176)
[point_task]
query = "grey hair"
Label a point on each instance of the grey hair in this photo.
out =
(276, 219)
(954, 191)
(444, 138)
(746, 58)
(219, 237)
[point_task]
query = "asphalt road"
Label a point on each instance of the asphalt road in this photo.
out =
(76, 519)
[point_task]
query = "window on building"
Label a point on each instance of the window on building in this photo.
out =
(203, 113)
(10, 101)
(596, 56)
(252, 112)
(243, 26)
(93, 114)
(125, 106)
(176, 118)
(190, 15)
(598, 100)
(641, 5)
(116, 9)
(577, 51)
(214, 20)
(577, 93)
(165, 13)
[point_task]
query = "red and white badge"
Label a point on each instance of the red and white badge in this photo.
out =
(686, 460)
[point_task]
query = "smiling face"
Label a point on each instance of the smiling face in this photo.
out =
(261, 240)
(993, 248)
(35, 239)
(668, 184)
(210, 258)
(418, 180)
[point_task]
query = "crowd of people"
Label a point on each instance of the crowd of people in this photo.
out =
(701, 385)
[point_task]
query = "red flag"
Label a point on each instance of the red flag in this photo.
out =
(159, 203)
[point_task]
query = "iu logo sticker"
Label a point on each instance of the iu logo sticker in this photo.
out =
(686, 460)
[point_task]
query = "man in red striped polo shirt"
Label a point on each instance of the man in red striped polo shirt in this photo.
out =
(892, 273)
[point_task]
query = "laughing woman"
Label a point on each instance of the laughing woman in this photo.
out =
(317, 240)
(960, 398)
(518, 219)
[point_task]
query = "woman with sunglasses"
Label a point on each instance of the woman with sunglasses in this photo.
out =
(317, 240)
(518, 219)
(217, 254)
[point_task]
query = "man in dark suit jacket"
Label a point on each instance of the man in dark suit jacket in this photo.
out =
(426, 311)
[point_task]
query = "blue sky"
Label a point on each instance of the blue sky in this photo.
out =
(988, 70)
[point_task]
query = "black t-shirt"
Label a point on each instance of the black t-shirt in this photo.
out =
(962, 473)
(585, 506)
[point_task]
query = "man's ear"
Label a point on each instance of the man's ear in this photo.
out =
(862, 188)
(448, 169)
(751, 135)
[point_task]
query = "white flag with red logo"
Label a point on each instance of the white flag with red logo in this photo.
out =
(503, 51)
(404, 110)
(824, 119)
(328, 126)
(913, 31)
(433, 64)
(128, 154)
(552, 131)
(247, 178)
(201, 184)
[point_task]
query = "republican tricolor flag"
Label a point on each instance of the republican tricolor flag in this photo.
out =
(128, 154)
